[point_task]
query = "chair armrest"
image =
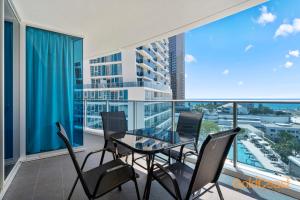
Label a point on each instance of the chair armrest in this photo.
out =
(189, 153)
(166, 171)
(89, 154)
(170, 175)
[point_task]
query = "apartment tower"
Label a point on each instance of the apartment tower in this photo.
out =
(177, 66)
(113, 77)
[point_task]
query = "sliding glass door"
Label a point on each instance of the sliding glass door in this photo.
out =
(11, 89)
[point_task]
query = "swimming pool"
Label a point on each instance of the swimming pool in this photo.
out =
(244, 156)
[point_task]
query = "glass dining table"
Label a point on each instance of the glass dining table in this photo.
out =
(148, 142)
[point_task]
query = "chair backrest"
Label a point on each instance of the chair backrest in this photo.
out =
(211, 159)
(113, 122)
(63, 135)
(190, 123)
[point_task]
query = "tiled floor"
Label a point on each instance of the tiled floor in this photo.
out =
(52, 179)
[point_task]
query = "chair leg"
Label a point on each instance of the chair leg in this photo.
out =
(120, 188)
(219, 191)
(196, 148)
(132, 159)
(102, 157)
(136, 189)
(114, 155)
(180, 154)
(169, 157)
(73, 187)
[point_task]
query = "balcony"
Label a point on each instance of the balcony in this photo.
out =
(146, 84)
(42, 81)
(146, 63)
(257, 149)
(146, 75)
(249, 154)
(147, 52)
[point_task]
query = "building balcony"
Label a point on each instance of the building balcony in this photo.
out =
(147, 52)
(146, 84)
(161, 46)
(146, 63)
(145, 75)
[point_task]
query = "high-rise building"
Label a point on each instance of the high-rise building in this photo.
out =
(177, 66)
(138, 74)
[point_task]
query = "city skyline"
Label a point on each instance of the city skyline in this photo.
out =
(252, 54)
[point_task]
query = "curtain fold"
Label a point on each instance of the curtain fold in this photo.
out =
(50, 88)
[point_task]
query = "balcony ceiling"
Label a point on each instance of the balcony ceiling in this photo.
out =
(109, 25)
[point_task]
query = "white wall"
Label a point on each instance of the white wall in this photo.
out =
(136, 93)
(129, 64)
(86, 72)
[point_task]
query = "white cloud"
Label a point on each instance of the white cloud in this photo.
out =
(226, 72)
(189, 58)
(287, 29)
(296, 24)
(287, 55)
(265, 16)
(185, 75)
(240, 83)
(294, 53)
(288, 64)
(248, 47)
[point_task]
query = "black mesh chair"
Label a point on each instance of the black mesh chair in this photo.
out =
(189, 125)
(98, 181)
(114, 123)
(183, 182)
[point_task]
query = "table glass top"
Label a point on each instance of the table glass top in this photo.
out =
(151, 140)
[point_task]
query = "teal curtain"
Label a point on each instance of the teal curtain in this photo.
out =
(50, 81)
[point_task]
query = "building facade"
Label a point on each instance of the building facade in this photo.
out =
(140, 74)
(177, 66)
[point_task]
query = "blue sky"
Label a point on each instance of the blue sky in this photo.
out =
(252, 54)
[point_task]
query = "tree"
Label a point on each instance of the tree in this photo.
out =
(261, 110)
(242, 134)
(199, 108)
(287, 145)
(208, 127)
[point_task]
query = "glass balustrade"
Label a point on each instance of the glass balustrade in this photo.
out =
(269, 140)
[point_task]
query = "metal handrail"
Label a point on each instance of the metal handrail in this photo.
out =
(279, 101)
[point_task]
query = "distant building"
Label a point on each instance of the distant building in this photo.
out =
(273, 129)
(294, 166)
(177, 66)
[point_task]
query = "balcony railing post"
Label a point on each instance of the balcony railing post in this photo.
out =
(84, 113)
(235, 149)
(134, 115)
(107, 105)
(173, 115)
